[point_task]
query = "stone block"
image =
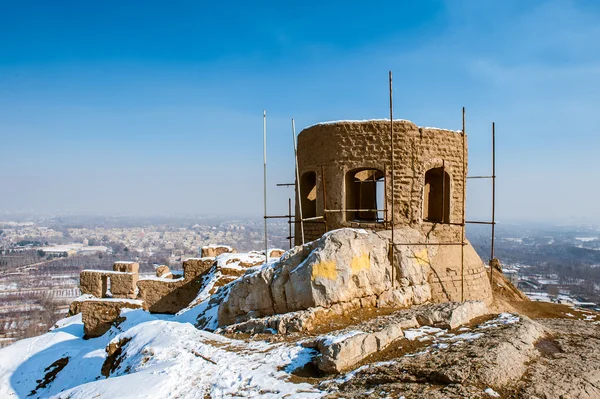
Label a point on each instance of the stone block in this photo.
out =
(167, 295)
(92, 282)
(128, 267)
(162, 270)
(99, 315)
(196, 267)
(211, 251)
(123, 285)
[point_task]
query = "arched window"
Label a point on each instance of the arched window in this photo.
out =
(436, 196)
(365, 195)
(308, 194)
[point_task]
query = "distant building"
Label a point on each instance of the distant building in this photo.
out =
(59, 252)
(512, 276)
(92, 250)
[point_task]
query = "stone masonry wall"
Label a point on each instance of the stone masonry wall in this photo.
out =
(342, 147)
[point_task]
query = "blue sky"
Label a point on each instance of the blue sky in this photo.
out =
(148, 107)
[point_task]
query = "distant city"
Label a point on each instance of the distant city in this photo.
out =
(40, 259)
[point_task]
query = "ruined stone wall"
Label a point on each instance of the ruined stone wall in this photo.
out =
(448, 284)
(341, 147)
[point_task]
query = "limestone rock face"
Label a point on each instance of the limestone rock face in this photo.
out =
(351, 267)
(340, 267)
(344, 265)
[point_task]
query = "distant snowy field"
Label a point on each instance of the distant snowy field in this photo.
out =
(165, 358)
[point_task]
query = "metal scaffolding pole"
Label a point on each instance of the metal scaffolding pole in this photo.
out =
(392, 177)
(265, 182)
(324, 197)
(298, 196)
(492, 255)
(464, 200)
(290, 221)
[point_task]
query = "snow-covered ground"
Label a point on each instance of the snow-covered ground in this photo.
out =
(165, 358)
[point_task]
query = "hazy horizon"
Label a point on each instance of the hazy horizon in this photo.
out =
(141, 110)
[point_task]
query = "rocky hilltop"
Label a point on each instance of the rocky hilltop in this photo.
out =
(335, 318)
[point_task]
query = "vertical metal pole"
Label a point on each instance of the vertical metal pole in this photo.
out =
(324, 198)
(443, 191)
(298, 196)
(392, 177)
(385, 207)
(464, 200)
(265, 182)
(492, 255)
(290, 220)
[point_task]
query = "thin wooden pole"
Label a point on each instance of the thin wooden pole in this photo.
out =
(265, 182)
(464, 200)
(392, 176)
(492, 255)
(299, 196)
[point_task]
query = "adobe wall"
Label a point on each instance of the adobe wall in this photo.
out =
(122, 284)
(341, 147)
(446, 281)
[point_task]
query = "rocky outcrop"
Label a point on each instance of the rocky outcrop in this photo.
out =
(341, 266)
(493, 356)
(350, 266)
(345, 348)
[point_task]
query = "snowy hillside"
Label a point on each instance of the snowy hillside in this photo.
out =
(163, 357)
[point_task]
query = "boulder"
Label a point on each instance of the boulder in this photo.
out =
(450, 315)
(340, 267)
(339, 353)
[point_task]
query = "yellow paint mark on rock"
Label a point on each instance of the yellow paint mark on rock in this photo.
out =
(361, 262)
(422, 258)
(325, 269)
